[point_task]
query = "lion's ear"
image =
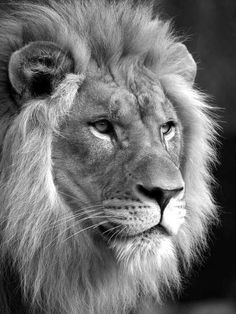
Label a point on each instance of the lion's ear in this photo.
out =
(36, 69)
(186, 65)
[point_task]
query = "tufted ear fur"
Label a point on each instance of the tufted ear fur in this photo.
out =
(187, 66)
(36, 69)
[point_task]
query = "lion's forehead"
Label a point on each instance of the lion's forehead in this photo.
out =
(126, 103)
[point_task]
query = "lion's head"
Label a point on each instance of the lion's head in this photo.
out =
(105, 155)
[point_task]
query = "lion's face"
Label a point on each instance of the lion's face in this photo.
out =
(118, 163)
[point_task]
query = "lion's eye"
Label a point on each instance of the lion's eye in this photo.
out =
(103, 126)
(168, 130)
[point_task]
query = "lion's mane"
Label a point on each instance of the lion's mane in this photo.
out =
(58, 270)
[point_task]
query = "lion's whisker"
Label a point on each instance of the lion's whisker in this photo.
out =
(110, 229)
(85, 229)
(76, 198)
(117, 233)
(94, 215)
(71, 215)
(97, 215)
(62, 215)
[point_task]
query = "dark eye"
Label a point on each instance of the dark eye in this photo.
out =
(168, 129)
(103, 126)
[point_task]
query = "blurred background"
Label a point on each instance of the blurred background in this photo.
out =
(211, 29)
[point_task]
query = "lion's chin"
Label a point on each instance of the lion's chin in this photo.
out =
(155, 243)
(148, 262)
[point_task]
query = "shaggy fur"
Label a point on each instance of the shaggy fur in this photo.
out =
(60, 269)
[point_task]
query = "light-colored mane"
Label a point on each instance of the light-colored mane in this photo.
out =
(60, 269)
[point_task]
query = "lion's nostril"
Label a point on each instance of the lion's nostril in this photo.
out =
(161, 196)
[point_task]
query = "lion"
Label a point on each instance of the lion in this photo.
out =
(107, 148)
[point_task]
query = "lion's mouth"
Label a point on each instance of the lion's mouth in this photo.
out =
(116, 232)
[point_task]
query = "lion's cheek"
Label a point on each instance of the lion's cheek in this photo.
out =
(174, 216)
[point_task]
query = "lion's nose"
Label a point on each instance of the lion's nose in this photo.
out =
(160, 195)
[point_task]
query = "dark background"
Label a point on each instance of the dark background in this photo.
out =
(211, 29)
